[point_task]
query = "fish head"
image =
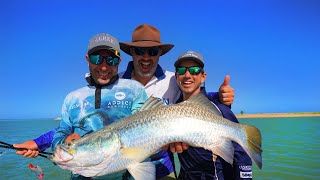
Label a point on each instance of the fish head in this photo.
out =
(88, 155)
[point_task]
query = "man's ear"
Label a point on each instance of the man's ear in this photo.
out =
(203, 77)
(87, 58)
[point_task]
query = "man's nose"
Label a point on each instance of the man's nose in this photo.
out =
(187, 74)
(104, 64)
(146, 54)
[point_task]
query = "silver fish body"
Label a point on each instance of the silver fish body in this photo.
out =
(128, 142)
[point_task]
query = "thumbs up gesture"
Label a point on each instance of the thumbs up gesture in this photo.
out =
(226, 92)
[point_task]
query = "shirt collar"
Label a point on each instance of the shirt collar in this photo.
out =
(127, 74)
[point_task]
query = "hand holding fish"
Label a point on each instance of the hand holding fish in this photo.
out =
(72, 137)
(226, 92)
(32, 147)
(178, 147)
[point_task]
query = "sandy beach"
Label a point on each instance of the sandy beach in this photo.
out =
(272, 115)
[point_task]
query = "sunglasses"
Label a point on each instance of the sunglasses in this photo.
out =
(98, 59)
(152, 51)
(193, 70)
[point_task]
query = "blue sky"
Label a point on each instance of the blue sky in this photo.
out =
(270, 49)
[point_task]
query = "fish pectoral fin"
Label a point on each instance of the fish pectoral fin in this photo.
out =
(225, 150)
(152, 103)
(133, 152)
(142, 171)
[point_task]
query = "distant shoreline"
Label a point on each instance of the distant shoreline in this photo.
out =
(272, 115)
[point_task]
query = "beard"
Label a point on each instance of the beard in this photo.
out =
(138, 69)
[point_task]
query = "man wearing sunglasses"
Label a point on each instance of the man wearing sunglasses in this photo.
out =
(197, 163)
(106, 98)
(146, 49)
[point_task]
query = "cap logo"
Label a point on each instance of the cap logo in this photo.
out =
(104, 38)
(189, 54)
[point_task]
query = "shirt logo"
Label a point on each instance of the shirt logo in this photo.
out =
(120, 95)
(245, 174)
(245, 168)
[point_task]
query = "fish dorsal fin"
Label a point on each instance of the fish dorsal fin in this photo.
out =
(152, 103)
(202, 100)
(143, 170)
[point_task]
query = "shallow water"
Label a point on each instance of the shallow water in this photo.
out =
(290, 148)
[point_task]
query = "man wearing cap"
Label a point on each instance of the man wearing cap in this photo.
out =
(105, 99)
(197, 163)
(146, 49)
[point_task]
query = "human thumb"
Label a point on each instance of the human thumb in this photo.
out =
(226, 80)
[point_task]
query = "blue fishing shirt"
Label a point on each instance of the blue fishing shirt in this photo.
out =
(79, 115)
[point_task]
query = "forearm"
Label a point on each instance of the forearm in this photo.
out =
(44, 141)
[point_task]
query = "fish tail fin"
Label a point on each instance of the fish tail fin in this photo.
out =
(254, 148)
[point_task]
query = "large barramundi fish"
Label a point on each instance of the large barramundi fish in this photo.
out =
(127, 143)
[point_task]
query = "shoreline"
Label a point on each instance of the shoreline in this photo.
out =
(269, 115)
(273, 115)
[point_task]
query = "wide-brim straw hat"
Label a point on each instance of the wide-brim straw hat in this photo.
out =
(145, 35)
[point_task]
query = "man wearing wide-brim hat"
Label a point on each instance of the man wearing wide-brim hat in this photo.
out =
(146, 48)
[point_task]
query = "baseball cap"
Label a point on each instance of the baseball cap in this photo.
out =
(190, 55)
(104, 41)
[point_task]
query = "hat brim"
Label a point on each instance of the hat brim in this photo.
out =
(125, 47)
(177, 63)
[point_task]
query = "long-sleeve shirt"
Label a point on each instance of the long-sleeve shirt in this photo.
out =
(80, 114)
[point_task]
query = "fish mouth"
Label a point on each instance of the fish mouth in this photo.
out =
(63, 155)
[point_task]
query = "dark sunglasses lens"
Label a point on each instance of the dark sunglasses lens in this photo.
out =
(95, 59)
(139, 51)
(194, 70)
(181, 70)
(151, 51)
(154, 51)
(112, 61)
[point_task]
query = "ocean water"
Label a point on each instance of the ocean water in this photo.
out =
(290, 148)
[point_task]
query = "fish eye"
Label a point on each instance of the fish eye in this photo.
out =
(71, 142)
